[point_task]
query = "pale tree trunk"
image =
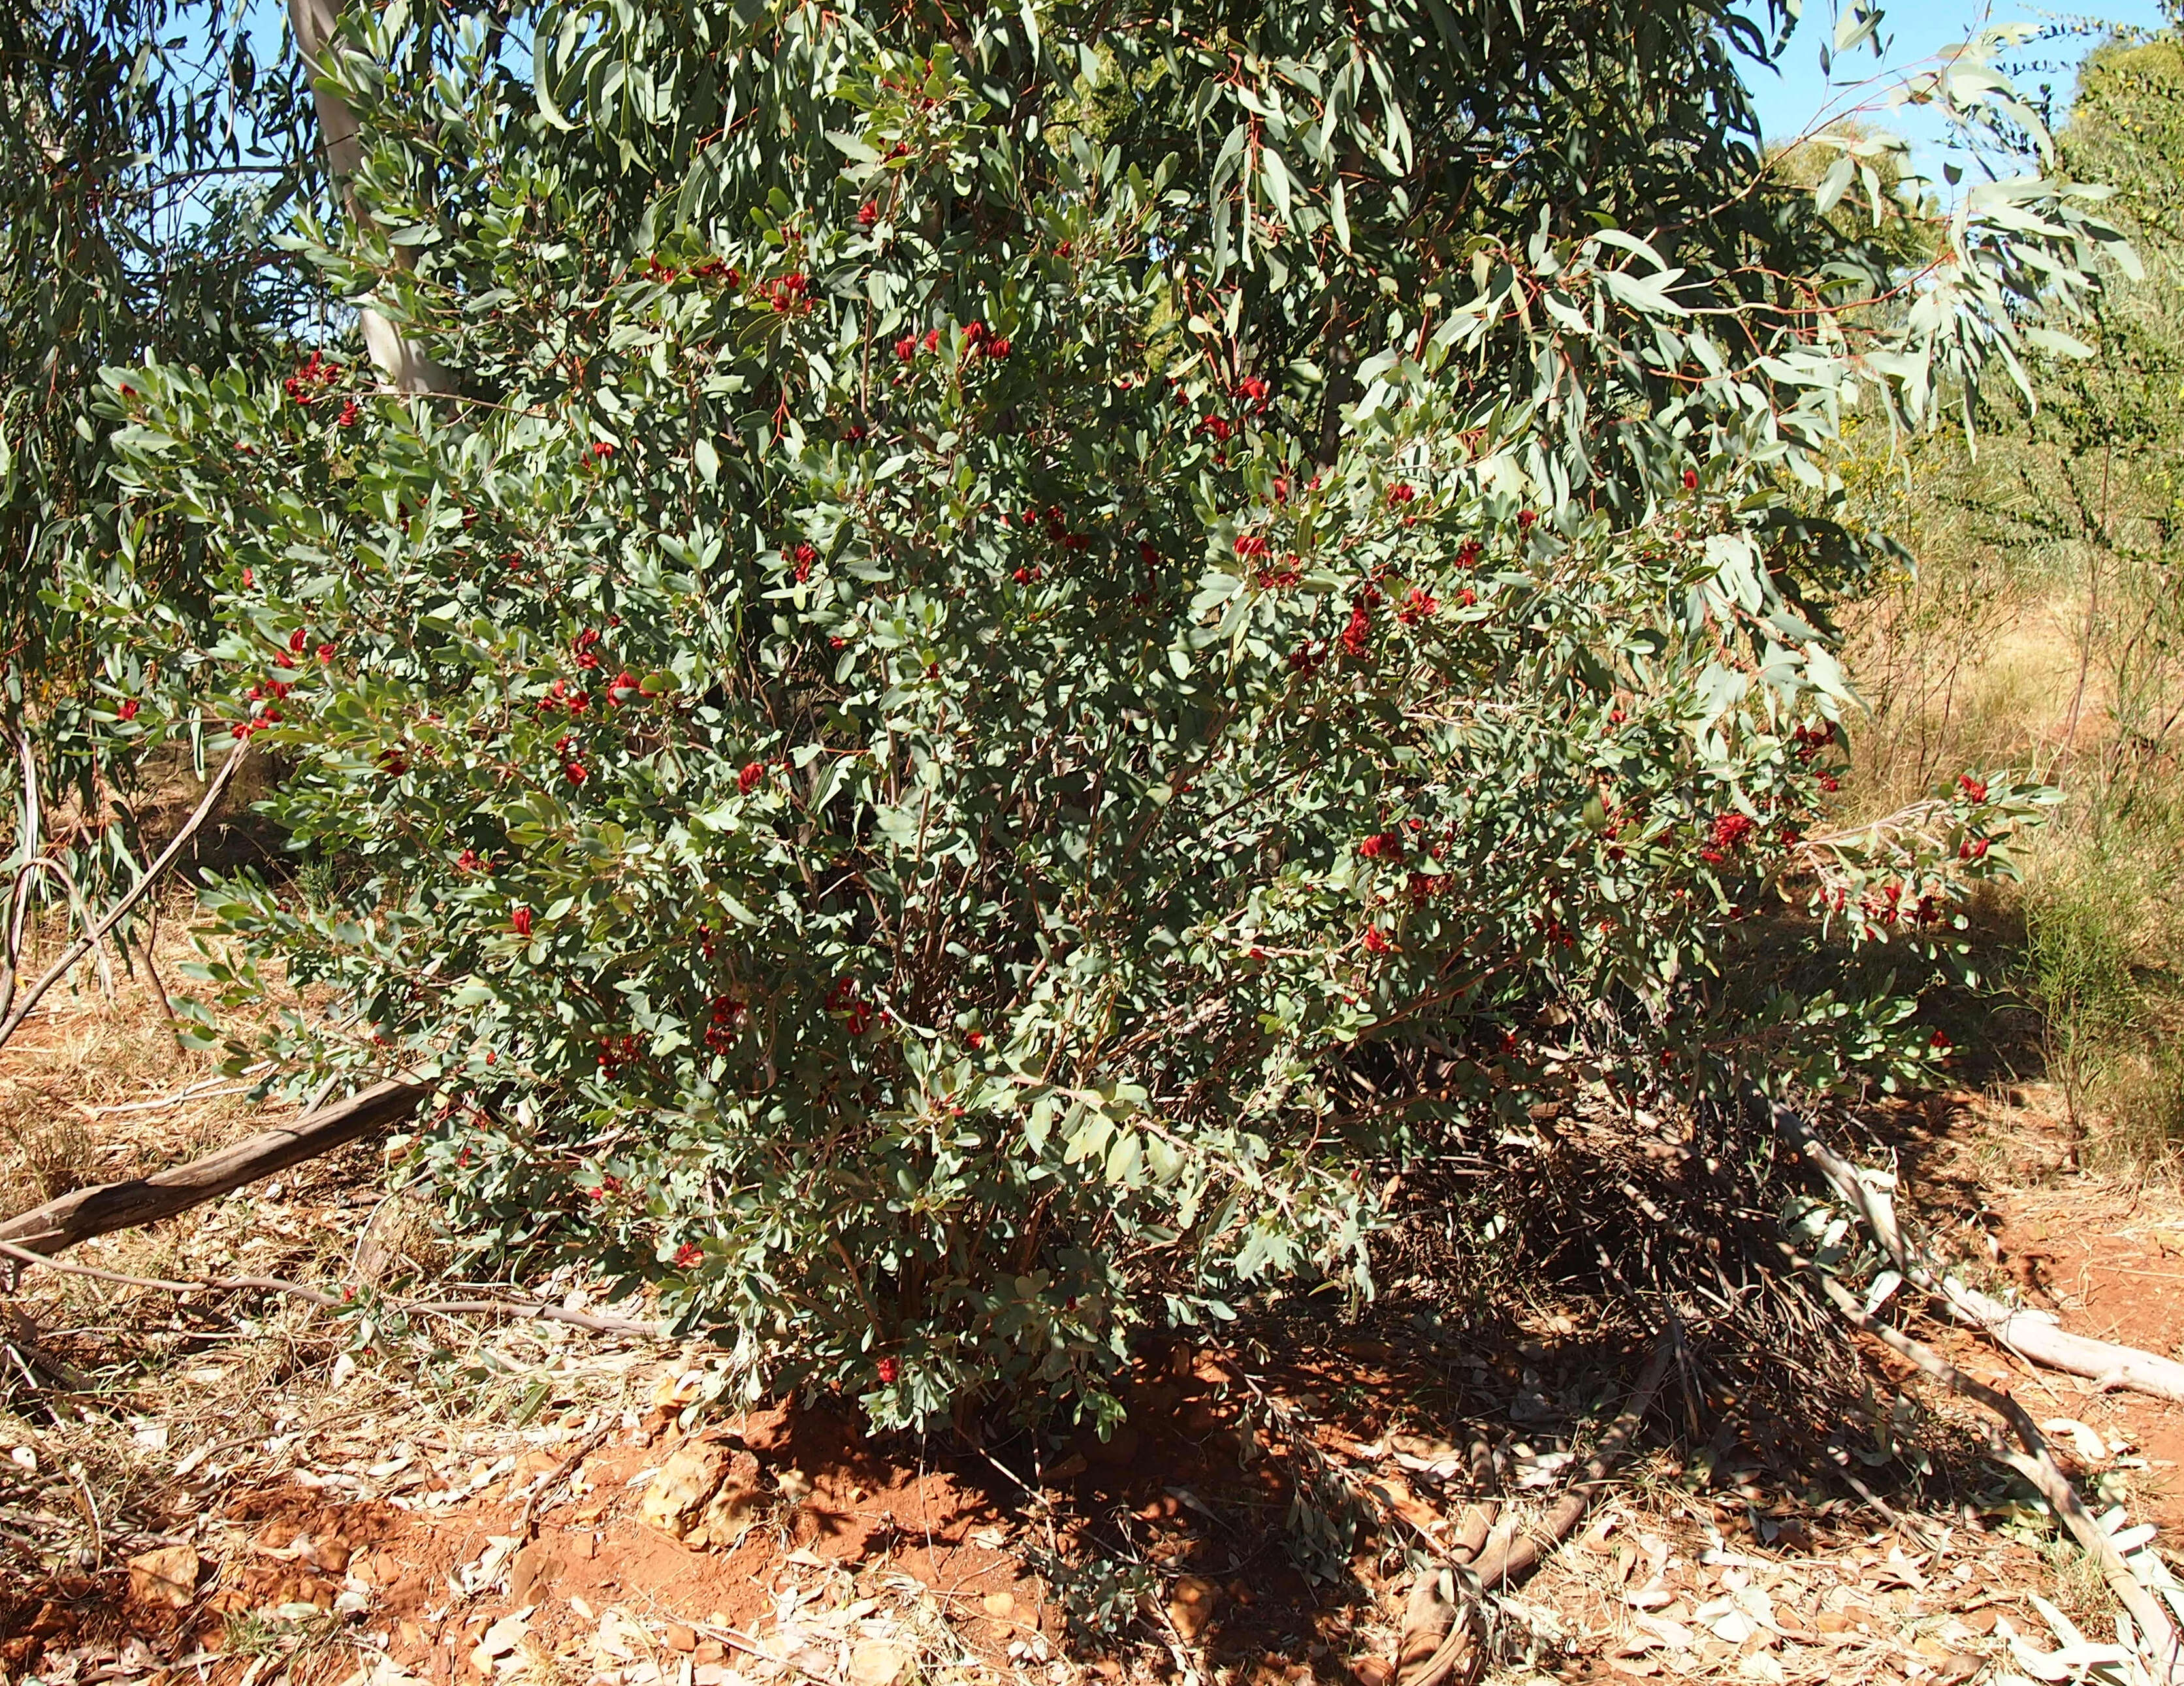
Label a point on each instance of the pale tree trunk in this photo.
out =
(403, 363)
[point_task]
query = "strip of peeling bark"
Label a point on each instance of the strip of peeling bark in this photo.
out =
(406, 365)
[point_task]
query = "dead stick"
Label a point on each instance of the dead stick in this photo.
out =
(325, 1301)
(62, 1223)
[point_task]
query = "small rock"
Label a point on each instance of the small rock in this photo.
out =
(1371, 1671)
(1190, 1605)
(878, 1662)
(708, 1652)
(705, 1495)
(167, 1576)
(681, 1638)
(1000, 1605)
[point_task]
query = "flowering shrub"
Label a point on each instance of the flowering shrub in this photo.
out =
(922, 711)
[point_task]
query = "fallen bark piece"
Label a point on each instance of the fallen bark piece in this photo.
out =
(168, 1576)
(88, 1212)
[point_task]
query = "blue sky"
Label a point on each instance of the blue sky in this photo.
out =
(1914, 30)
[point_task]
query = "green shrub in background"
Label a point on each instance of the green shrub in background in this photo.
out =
(1029, 643)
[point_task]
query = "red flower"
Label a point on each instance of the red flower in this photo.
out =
(999, 347)
(688, 1255)
(1252, 391)
(868, 213)
(888, 1370)
(1468, 552)
(907, 346)
(602, 450)
(1939, 1041)
(1357, 636)
(805, 556)
(468, 861)
(575, 773)
(1975, 790)
(1376, 941)
(751, 777)
(392, 762)
(128, 708)
(1690, 480)
(623, 688)
(975, 1039)
(1147, 554)
(1526, 517)
(349, 413)
(1401, 493)
(1382, 846)
(1250, 544)
(520, 921)
(1417, 606)
(1972, 848)
(297, 640)
(932, 339)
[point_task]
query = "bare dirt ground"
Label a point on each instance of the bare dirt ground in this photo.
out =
(240, 1490)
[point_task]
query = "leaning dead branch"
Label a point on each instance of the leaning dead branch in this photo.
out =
(16, 1010)
(61, 1223)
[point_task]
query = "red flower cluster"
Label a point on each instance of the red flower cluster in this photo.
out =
(1217, 426)
(1357, 635)
(622, 688)
(602, 451)
(888, 1370)
(575, 773)
(1810, 740)
(1728, 832)
(868, 213)
(1690, 480)
(350, 414)
(468, 861)
(843, 998)
(586, 645)
(1251, 391)
(1526, 517)
(688, 1256)
(1417, 606)
(1382, 846)
(519, 921)
(1250, 544)
(1469, 553)
(1975, 790)
(805, 556)
(790, 293)
(728, 1018)
(1376, 941)
(1401, 493)
(1273, 578)
(311, 378)
(1971, 848)
(615, 1053)
(752, 775)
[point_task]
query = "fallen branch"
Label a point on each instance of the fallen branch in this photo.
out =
(2031, 1335)
(326, 1301)
(62, 1223)
(1440, 1641)
(2158, 1634)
